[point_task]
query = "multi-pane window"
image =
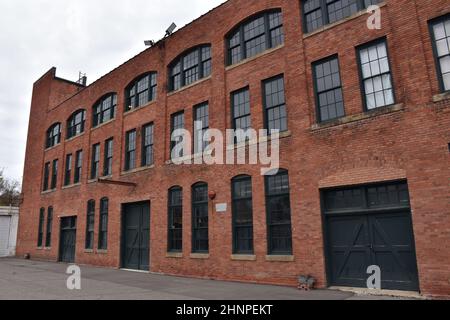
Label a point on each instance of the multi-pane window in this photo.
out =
(175, 220)
(75, 124)
(262, 32)
(108, 163)
(242, 215)
(95, 161)
(141, 91)
(130, 150)
(376, 75)
(441, 44)
(53, 136)
(105, 110)
(279, 231)
(48, 237)
(201, 125)
(103, 226)
(240, 104)
(318, 13)
(147, 145)
(40, 240)
(54, 175)
(330, 102)
(200, 239)
(68, 170)
(275, 105)
(190, 67)
(78, 166)
(177, 122)
(46, 176)
(90, 223)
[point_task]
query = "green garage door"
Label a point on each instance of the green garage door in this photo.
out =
(370, 225)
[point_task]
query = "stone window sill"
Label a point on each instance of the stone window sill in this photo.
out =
(54, 147)
(100, 251)
(199, 256)
(359, 117)
(104, 124)
(189, 86)
(240, 63)
(127, 113)
(88, 251)
(71, 186)
(48, 191)
(284, 134)
(75, 137)
(280, 258)
(176, 255)
(441, 97)
(243, 257)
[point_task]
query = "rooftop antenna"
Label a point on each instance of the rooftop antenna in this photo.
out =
(82, 79)
(171, 29)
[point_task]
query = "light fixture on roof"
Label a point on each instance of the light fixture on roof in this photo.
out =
(171, 29)
(149, 43)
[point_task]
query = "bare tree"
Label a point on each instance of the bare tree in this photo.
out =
(9, 191)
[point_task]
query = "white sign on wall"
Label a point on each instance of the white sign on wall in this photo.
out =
(221, 207)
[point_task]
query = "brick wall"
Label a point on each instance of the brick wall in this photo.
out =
(408, 141)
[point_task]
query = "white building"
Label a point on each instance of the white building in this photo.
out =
(9, 218)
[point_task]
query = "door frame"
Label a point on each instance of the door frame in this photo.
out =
(324, 216)
(122, 229)
(60, 244)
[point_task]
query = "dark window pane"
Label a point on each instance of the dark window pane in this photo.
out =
(175, 220)
(200, 242)
(242, 215)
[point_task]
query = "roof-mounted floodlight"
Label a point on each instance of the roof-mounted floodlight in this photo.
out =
(171, 29)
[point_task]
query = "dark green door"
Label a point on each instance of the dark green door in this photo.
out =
(136, 236)
(68, 239)
(368, 226)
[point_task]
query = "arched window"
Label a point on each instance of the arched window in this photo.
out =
(90, 222)
(141, 91)
(190, 67)
(53, 136)
(242, 197)
(255, 35)
(200, 239)
(175, 220)
(75, 124)
(278, 206)
(103, 226)
(104, 110)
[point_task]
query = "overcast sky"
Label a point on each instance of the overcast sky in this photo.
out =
(92, 36)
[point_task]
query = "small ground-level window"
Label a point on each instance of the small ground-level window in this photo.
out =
(48, 238)
(90, 222)
(242, 215)
(200, 239)
(175, 220)
(103, 227)
(278, 206)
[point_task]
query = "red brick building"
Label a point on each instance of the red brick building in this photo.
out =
(365, 119)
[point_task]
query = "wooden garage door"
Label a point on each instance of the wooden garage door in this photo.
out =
(370, 225)
(5, 222)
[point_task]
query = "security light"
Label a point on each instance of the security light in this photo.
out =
(149, 43)
(171, 29)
